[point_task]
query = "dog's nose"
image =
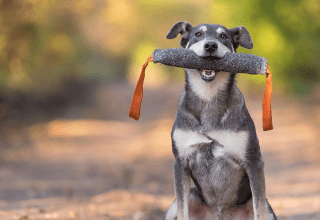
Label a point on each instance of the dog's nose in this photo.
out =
(211, 46)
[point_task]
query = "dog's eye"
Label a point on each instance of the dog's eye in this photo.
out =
(223, 36)
(198, 34)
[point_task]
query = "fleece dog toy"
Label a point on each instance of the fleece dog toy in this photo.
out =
(231, 62)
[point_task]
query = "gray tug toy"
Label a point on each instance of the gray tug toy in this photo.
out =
(231, 62)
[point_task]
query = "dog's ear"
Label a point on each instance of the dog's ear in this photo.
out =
(181, 27)
(241, 37)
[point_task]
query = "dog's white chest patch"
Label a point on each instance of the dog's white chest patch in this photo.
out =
(233, 143)
(185, 141)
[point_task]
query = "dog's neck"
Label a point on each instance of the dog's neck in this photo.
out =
(206, 91)
(211, 101)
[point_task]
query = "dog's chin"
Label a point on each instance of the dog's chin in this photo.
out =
(207, 75)
(207, 79)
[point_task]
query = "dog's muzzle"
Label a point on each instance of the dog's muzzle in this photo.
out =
(207, 75)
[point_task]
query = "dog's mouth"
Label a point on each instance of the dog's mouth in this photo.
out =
(207, 75)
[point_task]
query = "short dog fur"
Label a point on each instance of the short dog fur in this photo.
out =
(213, 137)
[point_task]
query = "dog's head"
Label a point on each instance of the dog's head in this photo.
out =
(210, 40)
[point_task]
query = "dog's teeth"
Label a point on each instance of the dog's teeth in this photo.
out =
(209, 72)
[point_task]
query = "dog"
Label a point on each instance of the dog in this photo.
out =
(214, 140)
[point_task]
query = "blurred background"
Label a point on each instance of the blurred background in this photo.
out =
(67, 74)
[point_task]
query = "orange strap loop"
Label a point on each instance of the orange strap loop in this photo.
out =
(134, 111)
(266, 105)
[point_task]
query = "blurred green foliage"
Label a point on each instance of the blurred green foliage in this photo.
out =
(45, 42)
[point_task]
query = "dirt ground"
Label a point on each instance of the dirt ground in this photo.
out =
(118, 168)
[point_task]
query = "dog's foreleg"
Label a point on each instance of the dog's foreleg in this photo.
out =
(182, 184)
(255, 171)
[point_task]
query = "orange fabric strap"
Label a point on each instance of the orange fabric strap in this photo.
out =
(266, 105)
(134, 111)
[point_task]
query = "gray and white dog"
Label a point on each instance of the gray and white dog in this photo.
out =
(213, 137)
